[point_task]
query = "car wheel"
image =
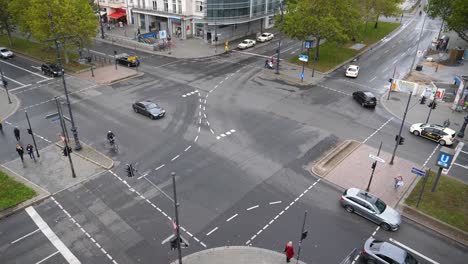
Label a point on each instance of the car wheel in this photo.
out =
(363, 104)
(442, 142)
(349, 208)
(385, 226)
(416, 133)
(136, 110)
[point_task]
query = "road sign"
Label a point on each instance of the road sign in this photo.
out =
(376, 158)
(302, 75)
(162, 34)
(418, 172)
(308, 44)
(444, 160)
(303, 57)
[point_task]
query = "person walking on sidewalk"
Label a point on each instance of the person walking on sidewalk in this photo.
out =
(289, 251)
(30, 150)
(16, 131)
(20, 151)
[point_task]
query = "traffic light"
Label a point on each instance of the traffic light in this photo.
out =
(130, 170)
(434, 105)
(66, 151)
(183, 244)
(374, 164)
(402, 140)
(174, 243)
(29, 131)
(5, 83)
(304, 235)
(390, 80)
(423, 100)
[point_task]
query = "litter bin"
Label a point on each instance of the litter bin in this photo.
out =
(419, 67)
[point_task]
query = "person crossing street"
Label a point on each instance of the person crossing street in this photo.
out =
(16, 131)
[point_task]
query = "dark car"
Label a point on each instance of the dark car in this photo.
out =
(149, 109)
(365, 98)
(376, 251)
(51, 69)
(125, 59)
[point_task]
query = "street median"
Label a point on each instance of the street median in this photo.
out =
(334, 157)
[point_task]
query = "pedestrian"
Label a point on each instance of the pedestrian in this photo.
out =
(138, 32)
(266, 63)
(16, 131)
(20, 151)
(289, 251)
(272, 60)
(1, 126)
(30, 150)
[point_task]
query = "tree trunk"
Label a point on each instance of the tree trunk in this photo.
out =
(65, 53)
(317, 49)
(377, 21)
(9, 37)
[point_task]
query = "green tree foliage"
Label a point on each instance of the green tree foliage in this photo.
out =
(334, 20)
(454, 13)
(73, 21)
(386, 8)
(6, 20)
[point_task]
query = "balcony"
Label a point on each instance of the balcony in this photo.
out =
(160, 11)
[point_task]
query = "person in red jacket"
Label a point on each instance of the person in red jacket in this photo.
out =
(289, 250)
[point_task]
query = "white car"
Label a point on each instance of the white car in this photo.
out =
(6, 53)
(265, 37)
(246, 43)
(438, 133)
(352, 71)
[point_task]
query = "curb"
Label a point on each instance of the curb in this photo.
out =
(42, 194)
(346, 145)
(88, 159)
(139, 74)
(436, 225)
(16, 101)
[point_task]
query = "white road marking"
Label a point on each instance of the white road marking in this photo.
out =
(196, 139)
(174, 158)
(23, 69)
(66, 253)
(160, 167)
(377, 130)
(386, 51)
(430, 156)
(463, 166)
(253, 207)
(167, 239)
(232, 217)
(395, 61)
(22, 84)
(253, 54)
(413, 251)
(385, 70)
(198, 129)
(214, 229)
(211, 130)
(48, 257)
(372, 79)
(277, 202)
(188, 148)
(25, 236)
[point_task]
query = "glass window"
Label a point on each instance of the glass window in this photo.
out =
(199, 6)
(155, 5)
(174, 6)
(166, 5)
(179, 6)
(380, 205)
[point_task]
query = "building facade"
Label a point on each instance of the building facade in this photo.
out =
(205, 19)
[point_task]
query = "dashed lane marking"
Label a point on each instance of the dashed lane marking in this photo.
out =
(160, 167)
(227, 133)
(253, 207)
(174, 158)
(430, 156)
(277, 202)
(188, 148)
(331, 89)
(191, 93)
(214, 229)
(232, 217)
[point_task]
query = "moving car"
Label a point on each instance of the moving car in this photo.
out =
(149, 109)
(370, 207)
(6, 53)
(442, 135)
(246, 43)
(125, 59)
(51, 69)
(376, 251)
(265, 37)
(365, 98)
(352, 71)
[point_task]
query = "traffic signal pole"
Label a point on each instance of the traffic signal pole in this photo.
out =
(176, 205)
(64, 128)
(401, 128)
(303, 235)
(32, 134)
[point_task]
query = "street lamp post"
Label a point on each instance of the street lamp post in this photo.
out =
(417, 46)
(59, 61)
(279, 40)
(176, 208)
(100, 20)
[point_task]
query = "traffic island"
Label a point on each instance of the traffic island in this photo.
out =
(111, 74)
(236, 255)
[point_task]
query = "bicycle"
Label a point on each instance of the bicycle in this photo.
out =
(114, 145)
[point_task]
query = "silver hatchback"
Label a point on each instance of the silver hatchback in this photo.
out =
(370, 207)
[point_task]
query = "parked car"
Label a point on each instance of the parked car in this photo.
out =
(6, 53)
(370, 207)
(246, 43)
(51, 69)
(149, 109)
(365, 98)
(265, 37)
(352, 71)
(442, 135)
(377, 251)
(125, 59)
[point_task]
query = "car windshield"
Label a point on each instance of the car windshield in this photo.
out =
(245, 42)
(352, 69)
(4, 50)
(265, 34)
(54, 67)
(380, 205)
(151, 106)
(410, 259)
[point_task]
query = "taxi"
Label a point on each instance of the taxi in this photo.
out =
(442, 135)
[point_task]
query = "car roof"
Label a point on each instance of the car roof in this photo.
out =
(353, 66)
(445, 129)
(392, 251)
(248, 40)
(369, 94)
(3, 48)
(355, 192)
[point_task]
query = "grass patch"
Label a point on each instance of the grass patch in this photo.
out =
(41, 52)
(332, 54)
(449, 203)
(13, 192)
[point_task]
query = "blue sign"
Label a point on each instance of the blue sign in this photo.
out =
(148, 35)
(303, 57)
(418, 172)
(302, 75)
(444, 160)
(162, 34)
(308, 44)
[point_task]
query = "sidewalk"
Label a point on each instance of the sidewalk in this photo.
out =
(236, 255)
(7, 109)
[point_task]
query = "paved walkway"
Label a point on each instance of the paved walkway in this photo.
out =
(236, 255)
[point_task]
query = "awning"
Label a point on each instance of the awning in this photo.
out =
(117, 15)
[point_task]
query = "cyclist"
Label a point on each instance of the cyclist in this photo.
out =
(110, 137)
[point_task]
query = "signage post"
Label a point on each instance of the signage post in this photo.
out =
(444, 160)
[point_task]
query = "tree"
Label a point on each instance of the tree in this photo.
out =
(453, 13)
(334, 20)
(6, 20)
(71, 20)
(386, 8)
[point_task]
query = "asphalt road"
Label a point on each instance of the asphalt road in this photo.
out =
(240, 145)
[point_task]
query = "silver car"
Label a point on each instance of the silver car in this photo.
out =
(371, 207)
(376, 251)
